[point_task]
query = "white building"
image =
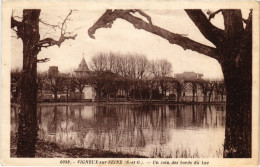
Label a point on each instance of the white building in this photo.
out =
(83, 72)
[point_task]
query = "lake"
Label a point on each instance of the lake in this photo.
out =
(153, 131)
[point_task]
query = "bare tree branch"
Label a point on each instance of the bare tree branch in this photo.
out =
(43, 60)
(47, 24)
(107, 19)
(64, 23)
(249, 19)
(76, 29)
(47, 33)
(18, 25)
(209, 31)
(143, 14)
(212, 14)
(47, 42)
(15, 23)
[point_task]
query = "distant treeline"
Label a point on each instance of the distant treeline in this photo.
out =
(115, 76)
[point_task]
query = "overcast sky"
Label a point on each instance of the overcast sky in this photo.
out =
(123, 38)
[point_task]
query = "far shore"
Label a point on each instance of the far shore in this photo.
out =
(102, 103)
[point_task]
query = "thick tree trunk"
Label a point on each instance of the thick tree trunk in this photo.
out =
(238, 116)
(27, 130)
(237, 70)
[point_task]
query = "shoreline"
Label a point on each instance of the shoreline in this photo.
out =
(102, 103)
(45, 149)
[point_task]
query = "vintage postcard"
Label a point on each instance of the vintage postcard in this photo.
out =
(135, 83)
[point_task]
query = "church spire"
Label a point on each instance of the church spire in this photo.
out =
(82, 65)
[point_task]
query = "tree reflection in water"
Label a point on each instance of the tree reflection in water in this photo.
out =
(157, 130)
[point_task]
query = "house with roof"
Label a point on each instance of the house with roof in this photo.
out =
(188, 76)
(189, 81)
(83, 72)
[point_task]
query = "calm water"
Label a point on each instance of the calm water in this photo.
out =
(153, 131)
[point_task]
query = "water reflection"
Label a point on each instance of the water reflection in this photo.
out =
(154, 131)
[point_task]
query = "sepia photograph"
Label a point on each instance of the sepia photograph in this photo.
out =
(142, 85)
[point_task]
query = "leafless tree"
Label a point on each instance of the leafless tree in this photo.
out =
(180, 87)
(165, 84)
(28, 30)
(192, 86)
(142, 67)
(80, 83)
(41, 79)
(211, 87)
(220, 89)
(161, 71)
(204, 86)
(161, 68)
(99, 62)
(152, 84)
(68, 85)
(55, 85)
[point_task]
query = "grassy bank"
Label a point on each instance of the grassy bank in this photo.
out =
(45, 149)
(52, 150)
